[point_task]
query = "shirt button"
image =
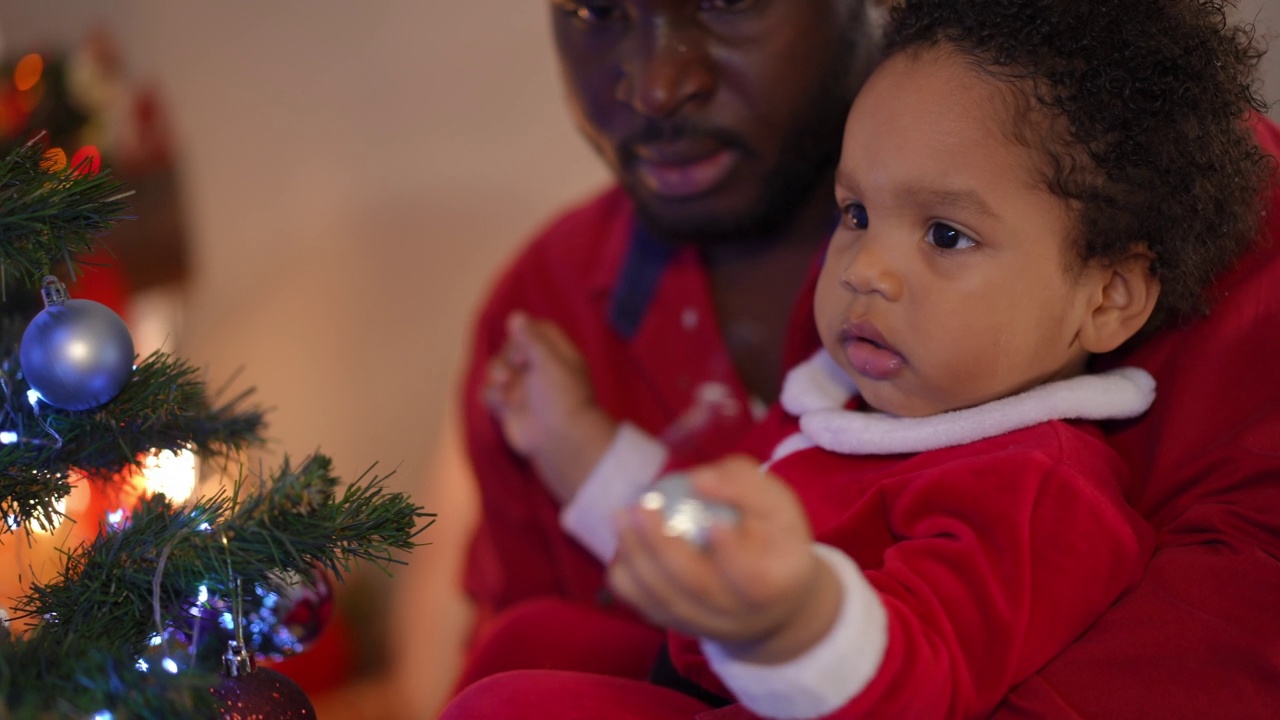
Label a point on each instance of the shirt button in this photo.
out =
(689, 319)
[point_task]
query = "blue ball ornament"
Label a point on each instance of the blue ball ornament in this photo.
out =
(77, 354)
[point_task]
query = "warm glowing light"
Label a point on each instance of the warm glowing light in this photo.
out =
(28, 71)
(172, 474)
(87, 160)
(55, 159)
(34, 526)
(30, 100)
(81, 495)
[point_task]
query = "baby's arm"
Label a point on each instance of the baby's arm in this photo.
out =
(539, 391)
(758, 588)
(968, 610)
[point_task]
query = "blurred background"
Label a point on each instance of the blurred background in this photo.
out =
(325, 190)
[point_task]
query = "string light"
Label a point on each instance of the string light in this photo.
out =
(87, 160)
(55, 159)
(28, 71)
(173, 474)
(14, 522)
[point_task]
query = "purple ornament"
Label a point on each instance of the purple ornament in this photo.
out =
(257, 693)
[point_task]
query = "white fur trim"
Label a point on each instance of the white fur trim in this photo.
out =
(829, 674)
(631, 462)
(815, 384)
(1120, 393)
(795, 442)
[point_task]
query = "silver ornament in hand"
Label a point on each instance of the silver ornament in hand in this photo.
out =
(77, 354)
(684, 513)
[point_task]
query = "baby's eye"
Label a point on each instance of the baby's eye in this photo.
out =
(855, 215)
(947, 237)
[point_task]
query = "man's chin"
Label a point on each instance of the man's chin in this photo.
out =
(696, 221)
(690, 229)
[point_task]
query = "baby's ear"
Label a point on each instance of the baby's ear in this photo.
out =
(1126, 296)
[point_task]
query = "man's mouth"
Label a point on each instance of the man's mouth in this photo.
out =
(677, 175)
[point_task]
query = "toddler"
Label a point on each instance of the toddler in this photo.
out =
(1023, 185)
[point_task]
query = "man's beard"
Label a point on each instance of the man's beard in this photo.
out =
(807, 159)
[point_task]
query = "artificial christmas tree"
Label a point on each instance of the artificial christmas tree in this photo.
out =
(135, 623)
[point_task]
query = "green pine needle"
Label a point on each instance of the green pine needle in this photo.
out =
(164, 406)
(134, 582)
(49, 217)
(138, 581)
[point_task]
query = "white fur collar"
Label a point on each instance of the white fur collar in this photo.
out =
(817, 390)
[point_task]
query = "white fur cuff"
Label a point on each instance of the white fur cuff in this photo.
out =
(828, 675)
(628, 466)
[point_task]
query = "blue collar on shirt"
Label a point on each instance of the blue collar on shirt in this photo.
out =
(647, 257)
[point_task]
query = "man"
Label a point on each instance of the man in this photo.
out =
(720, 121)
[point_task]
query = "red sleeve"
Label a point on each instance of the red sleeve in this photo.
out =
(996, 569)
(1199, 637)
(508, 488)
(519, 551)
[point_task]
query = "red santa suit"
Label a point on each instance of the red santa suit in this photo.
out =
(971, 547)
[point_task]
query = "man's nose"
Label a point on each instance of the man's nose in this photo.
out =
(664, 69)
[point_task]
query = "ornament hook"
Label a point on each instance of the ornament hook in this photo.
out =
(237, 661)
(53, 291)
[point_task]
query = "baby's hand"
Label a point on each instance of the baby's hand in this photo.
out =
(538, 389)
(756, 587)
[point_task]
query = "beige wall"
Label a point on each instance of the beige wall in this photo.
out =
(1265, 14)
(354, 172)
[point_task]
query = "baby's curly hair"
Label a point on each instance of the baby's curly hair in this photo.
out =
(1147, 137)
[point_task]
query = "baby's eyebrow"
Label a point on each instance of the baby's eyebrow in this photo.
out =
(844, 178)
(969, 202)
(966, 200)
